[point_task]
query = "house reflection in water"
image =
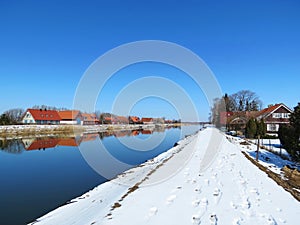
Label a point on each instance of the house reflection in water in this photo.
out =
(44, 143)
(52, 142)
(39, 144)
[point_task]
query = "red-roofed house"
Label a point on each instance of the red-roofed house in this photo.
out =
(275, 115)
(71, 117)
(89, 119)
(41, 116)
(120, 120)
(147, 120)
(134, 120)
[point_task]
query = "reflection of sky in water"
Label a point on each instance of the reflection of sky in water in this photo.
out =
(159, 140)
(34, 182)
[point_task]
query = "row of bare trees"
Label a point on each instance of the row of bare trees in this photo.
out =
(11, 116)
(241, 101)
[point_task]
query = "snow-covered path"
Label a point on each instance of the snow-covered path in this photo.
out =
(230, 191)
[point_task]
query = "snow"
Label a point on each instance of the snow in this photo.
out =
(173, 189)
(267, 158)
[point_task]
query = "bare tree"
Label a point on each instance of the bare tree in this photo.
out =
(14, 115)
(245, 100)
(218, 107)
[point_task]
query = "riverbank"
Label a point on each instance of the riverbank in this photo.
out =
(175, 188)
(20, 131)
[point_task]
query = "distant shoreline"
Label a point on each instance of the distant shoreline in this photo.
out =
(21, 131)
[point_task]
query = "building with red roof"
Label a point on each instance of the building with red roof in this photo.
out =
(41, 116)
(71, 117)
(145, 120)
(274, 116)
(134, 120)
(90, 119)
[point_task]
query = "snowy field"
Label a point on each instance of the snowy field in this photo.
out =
(230, 191)
(266, 158)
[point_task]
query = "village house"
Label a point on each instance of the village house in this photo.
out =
(41, 116)
(274, 116)
(145, 120)
(236, 120)
(134, 120)
(71, 117)
(107, 120)
(89, 119)
(120, 120)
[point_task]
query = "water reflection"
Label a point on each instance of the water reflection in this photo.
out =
(52, 177)
(17, 146)
(11, 146)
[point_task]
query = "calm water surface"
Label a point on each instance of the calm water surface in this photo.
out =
(38, 175)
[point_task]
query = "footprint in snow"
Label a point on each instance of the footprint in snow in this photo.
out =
(233, 205)
(196, 202)
(204, 202)
(198, 190)
(279, 210)
(246, 204)
(254, 191)
(171, 199)
(196, 218)
(217, 195)
(178, 188)
(282, 220)
(213, 219)
(268, 219)
(214, 176)
(186, 172)
(188, 181)
(206, 181)
(152, 211)
(237, 221)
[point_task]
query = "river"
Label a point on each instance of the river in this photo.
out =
(39, 174)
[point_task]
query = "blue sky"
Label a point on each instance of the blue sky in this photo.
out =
(46, 46)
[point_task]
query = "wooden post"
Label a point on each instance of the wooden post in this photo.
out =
(280, 148)
(257, 151)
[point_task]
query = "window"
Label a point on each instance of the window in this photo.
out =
(276, 115)
(281, 115)
(286, 115)
(271, 127)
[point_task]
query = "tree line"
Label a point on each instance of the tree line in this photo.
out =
(241, 101)
(11, 116)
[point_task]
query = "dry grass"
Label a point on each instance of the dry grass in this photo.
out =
(39, 130)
